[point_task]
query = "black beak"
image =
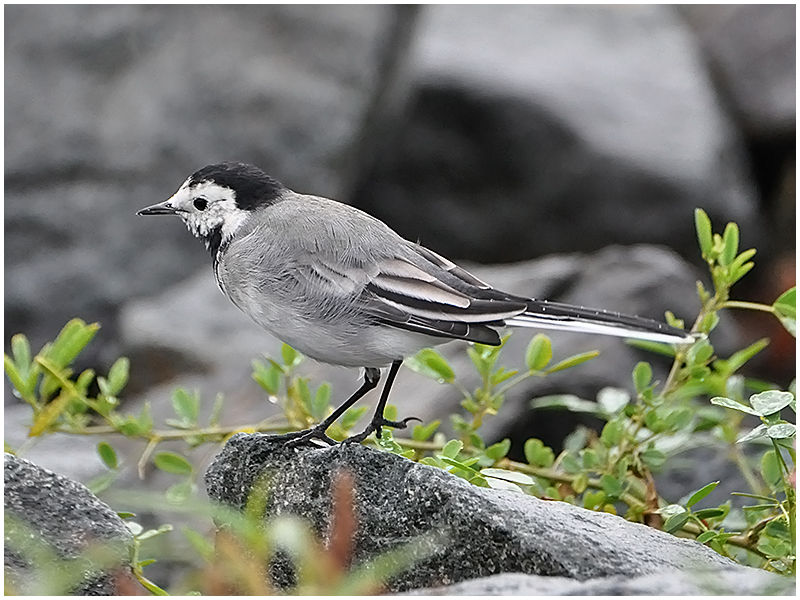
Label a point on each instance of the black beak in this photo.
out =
(164, 208)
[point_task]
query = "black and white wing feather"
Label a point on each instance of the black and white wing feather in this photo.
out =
(444, 299)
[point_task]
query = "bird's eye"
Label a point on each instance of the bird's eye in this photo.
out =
(200, 203)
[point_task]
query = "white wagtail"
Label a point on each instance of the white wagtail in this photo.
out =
(342, 287)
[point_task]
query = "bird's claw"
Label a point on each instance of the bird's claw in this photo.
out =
(296, 438)
(377, 426)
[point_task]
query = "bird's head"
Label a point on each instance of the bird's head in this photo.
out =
(217, 200)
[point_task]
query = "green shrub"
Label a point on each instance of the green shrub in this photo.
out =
(701, 403)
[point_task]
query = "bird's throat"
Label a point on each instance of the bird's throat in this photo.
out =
(213, 241)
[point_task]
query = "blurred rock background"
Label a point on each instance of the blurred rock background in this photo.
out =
(576, 139)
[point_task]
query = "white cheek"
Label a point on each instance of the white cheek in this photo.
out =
(232, 223)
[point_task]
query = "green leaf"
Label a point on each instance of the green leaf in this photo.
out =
(589, 459)
(593, 500)
(703, 226)
(430, 363)
(701, 493)
(709, 513)
(129, 427)
(786, 304)
(173, 463)
(423, 432)
(743, 258)
(709, 322)
(14, 376)
(611, 486)
(702, 293)
(573, 361)
(303, 393)
(458, 464)
(728, 403)
(268, 376)
(738, 359)
(781, 431)
(500, 375)
(118, 375)
(642, 375)
(612, 433)
(146, 562)
(22, 372)
(758, 432)
(570, 464)
(580, 483)
(653, 421)
(730, 241)
(539, 352)
(654, 458)
(352, 416)
(291, 357)
(498, 450)
(484, 357)
(319, 405)
(452, 448)
(779, 529)
(84, 381)
(51, 413)
(699, 353)
(21, 349)
(479, 481)
(678, 419)
(72, 339)
(706, 536)
(675, 522)
(770, 402)
(740, 267)
(537, 454)
(185, 405)
(738, 272)
(107, 454)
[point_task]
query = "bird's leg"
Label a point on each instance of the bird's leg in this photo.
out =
(371, 378)
(378, 421)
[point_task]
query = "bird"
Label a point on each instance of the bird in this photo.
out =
(342, 287)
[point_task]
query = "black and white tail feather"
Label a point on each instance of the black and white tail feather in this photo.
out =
(439, 298)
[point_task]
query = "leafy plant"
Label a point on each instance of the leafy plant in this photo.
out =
(612, 470)
(608, 470)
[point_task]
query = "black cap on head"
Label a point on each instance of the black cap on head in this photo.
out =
(253, 187)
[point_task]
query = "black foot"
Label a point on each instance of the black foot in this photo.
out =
(376, 426)
(296, 438)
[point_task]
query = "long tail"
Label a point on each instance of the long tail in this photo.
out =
(565, 317)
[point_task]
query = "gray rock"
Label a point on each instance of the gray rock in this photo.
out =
(752, 49)
(554, 128)
(109, 108)
(484, 531)
(51, 517)
(670, 582)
